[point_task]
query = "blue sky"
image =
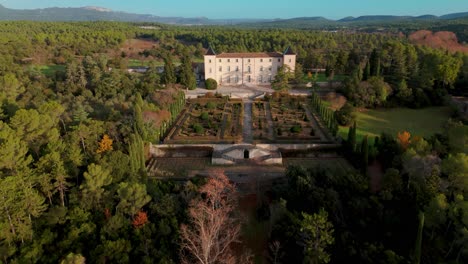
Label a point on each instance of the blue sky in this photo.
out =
(259, 8)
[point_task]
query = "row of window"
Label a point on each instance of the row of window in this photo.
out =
(248, 69)
(248, 60)
(235, 79)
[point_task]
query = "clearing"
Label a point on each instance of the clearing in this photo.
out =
(422, 122)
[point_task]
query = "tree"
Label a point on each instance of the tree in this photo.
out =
(351, 141)
(140, 220)
(318, 235)
(281, 81)
(213, 228)
(132, 197)
(187, 76)
(96, 178)
(211, 84)
(365, 154)
(456, 168)
(298, 73)
(105, 144)
(345, 116)
(73, 259)
(404, 139)
(168, 75)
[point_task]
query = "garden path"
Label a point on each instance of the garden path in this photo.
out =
(247, 136)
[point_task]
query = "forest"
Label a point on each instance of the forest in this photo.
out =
(73, 147)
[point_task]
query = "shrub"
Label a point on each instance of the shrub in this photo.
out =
(198, 128)
(296, 129)
(210, 105)
(345, 116)
(211, 84)
(204, 116)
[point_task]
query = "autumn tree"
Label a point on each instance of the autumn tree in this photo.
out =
(140, 219)
(212, 228)
(105, 144)
(404, 139)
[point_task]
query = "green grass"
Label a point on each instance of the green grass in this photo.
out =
(49, 70)
(421, 122)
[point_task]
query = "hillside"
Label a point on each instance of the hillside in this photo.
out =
(442, 39)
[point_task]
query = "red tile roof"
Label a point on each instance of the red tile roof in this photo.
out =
(250, 55)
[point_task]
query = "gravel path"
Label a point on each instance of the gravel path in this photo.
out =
(247, 128)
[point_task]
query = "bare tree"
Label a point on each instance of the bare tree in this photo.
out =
(213, 228)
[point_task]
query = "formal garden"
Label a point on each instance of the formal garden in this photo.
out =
(208, 120)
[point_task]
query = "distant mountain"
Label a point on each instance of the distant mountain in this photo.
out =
(455, 16)
(94, 13)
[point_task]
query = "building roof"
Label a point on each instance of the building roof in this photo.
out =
(210, 51)
(289, 51)
(250, 55)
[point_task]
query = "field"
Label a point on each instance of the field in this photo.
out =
(422, 122)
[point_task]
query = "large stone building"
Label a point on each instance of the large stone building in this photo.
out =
(246, 68)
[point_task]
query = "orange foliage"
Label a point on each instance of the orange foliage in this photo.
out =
(404, 139)
(140, 220)
(105, 144)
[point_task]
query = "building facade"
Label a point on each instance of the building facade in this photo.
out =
(246, 68)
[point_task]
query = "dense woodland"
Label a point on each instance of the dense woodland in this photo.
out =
(73, 146)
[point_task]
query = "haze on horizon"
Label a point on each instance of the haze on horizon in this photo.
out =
(269, 9)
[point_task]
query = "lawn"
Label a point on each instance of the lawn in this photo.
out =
(422, 122)
(50, 70)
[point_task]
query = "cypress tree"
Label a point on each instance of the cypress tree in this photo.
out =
(139, 125)
(352, 141)
(168, 76)
(365, 154)
(367, 72)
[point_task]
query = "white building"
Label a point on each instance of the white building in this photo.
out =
(246, 68)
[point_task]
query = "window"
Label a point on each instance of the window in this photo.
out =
(269, 69)
(248, 78)
(260, 79)
(289, 60)
(270, 60)
(209, 61)
(228, 79)
(279, 60)
(211, 70)
(237, 68)
(220, 68)
(248, 60)
(261, 68)
(237, 60)
(229, 60)
(261, 60)
(248, 69)
(236, 79)
(228, 68)
(219, 60)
